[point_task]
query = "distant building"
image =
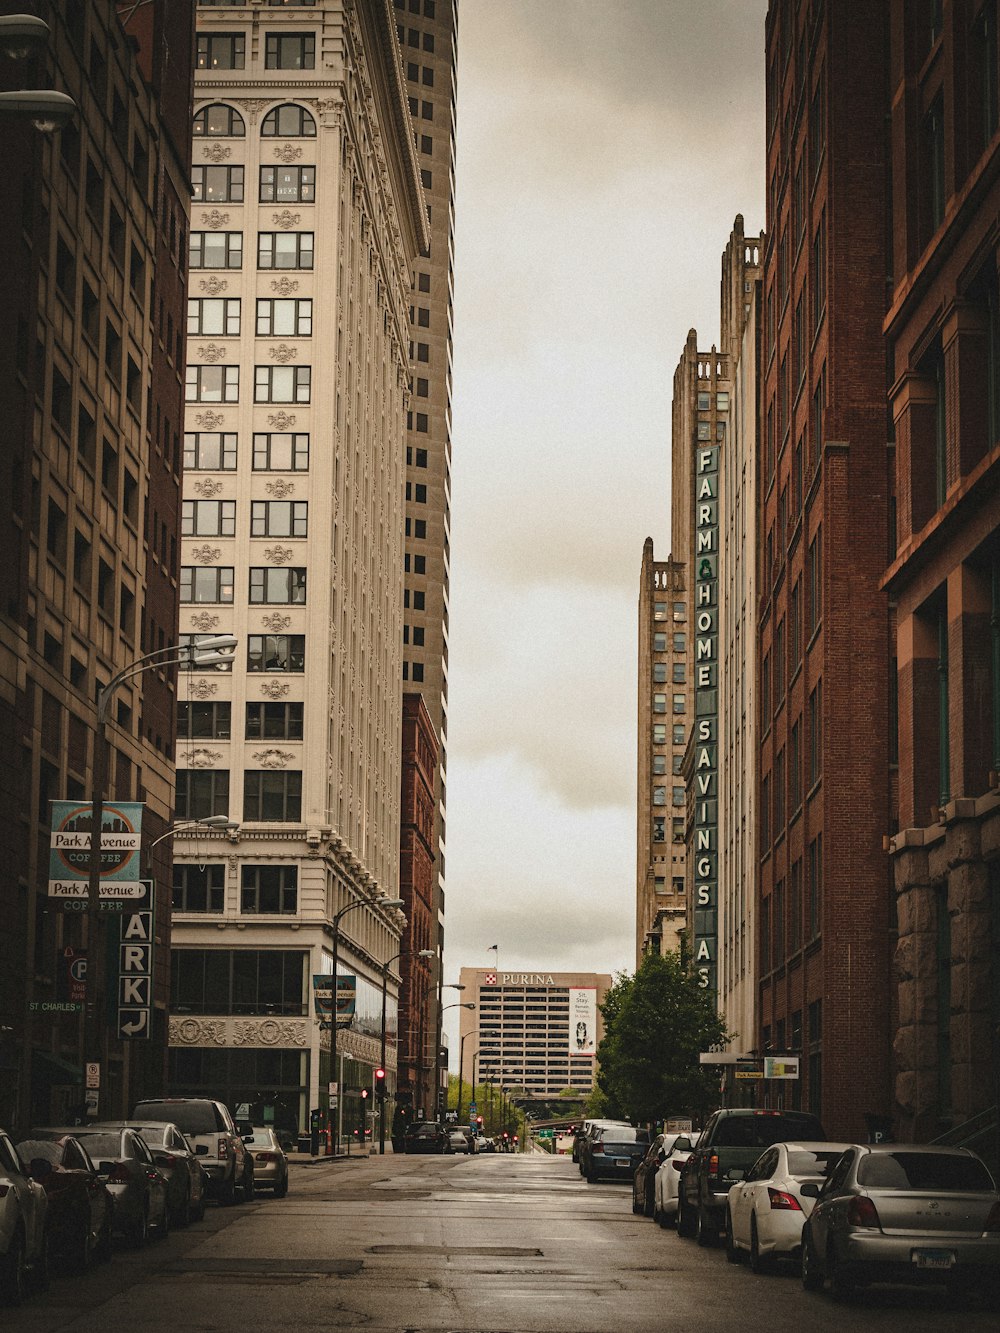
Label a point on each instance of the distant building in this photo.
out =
(943, 330)
(663, 663)
(534, 1031)
(94, 225)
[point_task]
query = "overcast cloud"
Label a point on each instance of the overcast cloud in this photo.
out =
(604, 150)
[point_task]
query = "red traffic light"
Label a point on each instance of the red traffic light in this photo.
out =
(505, 1134)
(479, 1119)
(379, 1074)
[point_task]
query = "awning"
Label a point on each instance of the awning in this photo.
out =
(51, 1069)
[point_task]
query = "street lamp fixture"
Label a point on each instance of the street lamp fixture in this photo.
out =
(22, 35)
(48, 110)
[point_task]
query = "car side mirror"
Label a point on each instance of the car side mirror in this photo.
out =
(39, 1168)
(736, 1173)
(105, 1168)
(201, 1149)
(811, 1189)
(682, 1145)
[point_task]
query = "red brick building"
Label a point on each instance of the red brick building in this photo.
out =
(943, 329)
(825, 793)
(417, 875)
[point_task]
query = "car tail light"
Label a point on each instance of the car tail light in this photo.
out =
(713, 1165)
(120, 1175)
(679, 1163)
(993, 1221)
(267, 1157)
(779, 1199)
(223, 1147)
(861, 1212)
(167, 1160)
(598, 1147)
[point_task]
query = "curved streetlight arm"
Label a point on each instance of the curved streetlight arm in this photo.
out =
(206, 653)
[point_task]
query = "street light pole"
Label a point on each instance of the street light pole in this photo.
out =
(403, 953)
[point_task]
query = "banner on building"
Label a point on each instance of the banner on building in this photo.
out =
(583, 1020)
(347, 989)
(69, 853)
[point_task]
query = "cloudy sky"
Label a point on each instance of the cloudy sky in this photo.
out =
(604, 149)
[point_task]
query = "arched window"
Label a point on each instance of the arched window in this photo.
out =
(288, 122)
(219, 121)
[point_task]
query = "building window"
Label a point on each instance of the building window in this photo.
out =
(272, 798)
(201, 792)
(795, 626)
(208, 518)
(281, 452)
(221, 50)
(290, 50)
(270, 890)
(818, 414)
(659, 765)
(217, 185)
(279, 518)
(288, 122)
(816, 734)
(932, 170)
(199, 888)
(210, 317)
(206, 585)
(276, 652)
(779, 792)
(659, 673)
(819, 271)
(659, 795)
(659, 828)
(659, 643)
(779, 662)
(679, 674)
(778, 932)
(679, 703)
(944, 744)
(285, 249)
(795, 766)
(219, 121)
(282, 384)
(679, 733)
(204, 721)
(212, 384)
(678, 796)
(210, 451)
(659, 733)
(274, 722)
(765, 812)
(215, 249)
(242, 981)
(814, 888)
(287, 185)
(284, 319)
(277, 586)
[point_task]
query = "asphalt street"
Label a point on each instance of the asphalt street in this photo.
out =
(491, 1244)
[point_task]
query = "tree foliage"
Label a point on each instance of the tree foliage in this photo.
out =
(655, 1025)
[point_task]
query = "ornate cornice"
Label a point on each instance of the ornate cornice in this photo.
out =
(214, 218)
(286, 218)
(288, 152)
(267, 1032)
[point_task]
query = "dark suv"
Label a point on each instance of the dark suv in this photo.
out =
(731, 1141)
(426, 1136)
(218, 1144)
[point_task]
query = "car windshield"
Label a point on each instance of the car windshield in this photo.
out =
(102, 1145)
(923, 1171)
(760, 1131)
(155, 1135)
(31, 1148)
(189, 1117)
(801, 1164)
(261, 1138)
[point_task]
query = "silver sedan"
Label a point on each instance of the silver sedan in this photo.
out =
(893, 1212)
(270, 1165)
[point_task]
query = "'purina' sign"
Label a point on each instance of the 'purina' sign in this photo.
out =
(706, 716)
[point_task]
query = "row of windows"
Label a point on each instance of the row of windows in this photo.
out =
(679, 640)
(201, 720)
(277, 318)
(275, 451)
(792, 914)
(802, 758)
(216, 584)
(678, 705)
(264, 889)
(271, 384)
(282, 50)
(288, 121)
(265, 652)
(238, 981)
(678, 673)
(268, 518)
(678, 733)
(278, 185)
(268, 797)
(275, 249)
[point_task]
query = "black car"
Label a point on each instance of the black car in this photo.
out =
(614, 1152)
(426, 1136)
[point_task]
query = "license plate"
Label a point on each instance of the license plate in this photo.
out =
(933, 1258)
(621, 1161)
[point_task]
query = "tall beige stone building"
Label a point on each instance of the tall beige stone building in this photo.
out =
(308, 215)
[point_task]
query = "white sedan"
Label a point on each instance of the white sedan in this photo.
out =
(766, 1210)
(668, 1177)
(23, 1239)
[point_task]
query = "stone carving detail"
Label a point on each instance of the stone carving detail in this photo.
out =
(286, 218)
(202, 689)
(191, 1031)
(268, 1032)
(285, 286)
(273, 758)
(198, 1031)
(203, 758)
(331, 109)
(213, 285)
(212, 352)
(208, 487)
(280, 488)
(209, 420)
(215, 218)
(284, 353)
(276, 623)
(274, 689)
(278, 555)
(253, 106)
(217, 152)
(287, 152)
(204, 621)
(281, 420)
(205, 555)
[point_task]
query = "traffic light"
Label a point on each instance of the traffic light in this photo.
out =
(364, 1094)
(479, 1120)
(380, 1085)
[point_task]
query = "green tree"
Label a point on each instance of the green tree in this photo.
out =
(603, 1102)
(660, 1020)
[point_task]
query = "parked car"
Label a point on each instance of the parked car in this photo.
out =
(426, 1136)
(137, 1187)
(584, 1132)
(614, 1152)
(218, 1145)
(892, 1212)
(270, 1165)
(79, 1217)
(484, 1144)
(177, 1159)
(766, 1209)
(666, 1185)
(730, 1143)
(458, 1141)
(23, 1235)
(644, 1180)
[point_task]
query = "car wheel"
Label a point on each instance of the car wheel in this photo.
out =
(13, 1273)
(657, 1213)
(248, 1185)
(199, 1213)
(138, 1233)
(842, 1283)
(105, 1242)
(227, 1195)
(649, 1203)
(163, 1226)
(812, 1275)
(78, 1253)
(40, 1269)
(732, 1253)
(636, 1206)
(704, 1233)
(759, 1263)
(281, 1190)
(182, 1216)
(685, 1222)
